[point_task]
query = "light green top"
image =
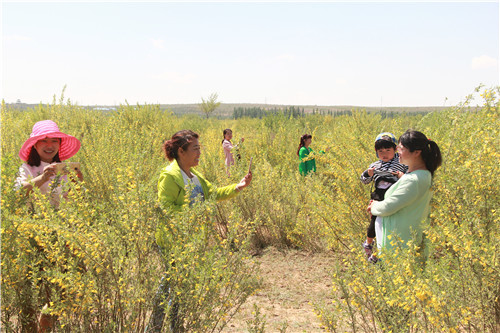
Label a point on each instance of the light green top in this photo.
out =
(405, 206)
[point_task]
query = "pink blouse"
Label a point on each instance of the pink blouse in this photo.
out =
(227, 145)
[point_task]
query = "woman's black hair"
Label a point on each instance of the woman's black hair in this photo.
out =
(430, 152)
(35, 160)
(303, 139)
(224, 134)
(181, 139)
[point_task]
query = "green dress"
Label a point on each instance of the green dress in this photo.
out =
(307, 164)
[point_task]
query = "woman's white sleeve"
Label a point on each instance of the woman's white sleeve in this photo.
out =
(23, 176)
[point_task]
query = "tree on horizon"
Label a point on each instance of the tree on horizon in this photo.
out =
(209, 105)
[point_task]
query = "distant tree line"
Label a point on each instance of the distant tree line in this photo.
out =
(258, 112)
(289, 111)
(295, 112)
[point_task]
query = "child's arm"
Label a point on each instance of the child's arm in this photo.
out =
(367, 175)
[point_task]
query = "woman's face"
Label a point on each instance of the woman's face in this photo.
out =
(307, 142)
(47, 148)
(406, 156)
(191, 156)
(228, 136)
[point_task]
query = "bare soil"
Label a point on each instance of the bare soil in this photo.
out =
(292, 282)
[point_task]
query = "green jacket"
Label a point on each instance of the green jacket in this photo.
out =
(172, 195)
(171, 192)
(405, 206)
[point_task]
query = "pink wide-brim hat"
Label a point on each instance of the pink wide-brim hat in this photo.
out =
(48, 129)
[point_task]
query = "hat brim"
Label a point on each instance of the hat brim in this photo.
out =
(68, 148)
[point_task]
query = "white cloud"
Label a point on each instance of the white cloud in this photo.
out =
(16, 38)
(484, 62)
(157, 43)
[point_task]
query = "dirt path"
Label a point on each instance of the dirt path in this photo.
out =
(292, 282)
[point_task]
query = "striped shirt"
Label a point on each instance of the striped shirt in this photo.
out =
(390, 166)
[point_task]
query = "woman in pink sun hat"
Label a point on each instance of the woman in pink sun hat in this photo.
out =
(46, 147)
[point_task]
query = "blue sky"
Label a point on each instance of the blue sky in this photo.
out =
(300, 53)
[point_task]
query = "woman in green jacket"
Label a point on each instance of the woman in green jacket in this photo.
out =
(184, 152)
(406, 204)
(179, 186)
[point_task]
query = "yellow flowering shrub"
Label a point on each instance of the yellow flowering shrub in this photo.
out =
(96, 262)
(93, 263)
(455, 288)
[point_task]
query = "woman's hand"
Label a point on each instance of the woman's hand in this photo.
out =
(38, 181)
(399, 174)
(48, 171)
(245, 181)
